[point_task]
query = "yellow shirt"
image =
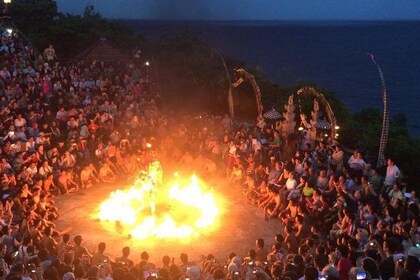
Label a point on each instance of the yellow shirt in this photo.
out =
(307, 191)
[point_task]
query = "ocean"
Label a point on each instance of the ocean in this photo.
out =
(332, 55)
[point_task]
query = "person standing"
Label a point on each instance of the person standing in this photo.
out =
(49, 53)
(337, 158)
(392, 175)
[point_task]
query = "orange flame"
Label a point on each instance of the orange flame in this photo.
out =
(183, 210)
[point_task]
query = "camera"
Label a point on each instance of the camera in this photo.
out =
(152, 273)
(236, 273)
(361, 275)
(31, 268)
(323, 277)
(250, 263)
(372, 244)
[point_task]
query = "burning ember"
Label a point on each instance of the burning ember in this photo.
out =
(149, 209)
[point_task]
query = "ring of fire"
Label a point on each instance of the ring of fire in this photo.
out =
(149, 209)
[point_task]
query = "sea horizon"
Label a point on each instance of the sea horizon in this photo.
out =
(274, 20)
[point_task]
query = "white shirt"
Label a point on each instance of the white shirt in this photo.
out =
(356, 164)
(392, 174)
(44, 170)
(256, 145)
(299, 169)
(19, 123)
(291, 184)
(232, 150)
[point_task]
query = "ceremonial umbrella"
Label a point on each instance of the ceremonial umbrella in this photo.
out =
(323, 124)
(272, 115)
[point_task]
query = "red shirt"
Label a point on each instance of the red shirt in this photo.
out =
(344, 266)
(93, 127)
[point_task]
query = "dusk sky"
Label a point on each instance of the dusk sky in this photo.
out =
(249, 9)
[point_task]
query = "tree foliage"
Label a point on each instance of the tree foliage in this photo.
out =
(42, 24)
(363, 131)
(191, 72)
(35, 18)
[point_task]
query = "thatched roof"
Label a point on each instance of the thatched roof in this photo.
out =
(103, 50)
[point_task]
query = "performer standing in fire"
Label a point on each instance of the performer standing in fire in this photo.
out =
(149, 189)
(153, 180)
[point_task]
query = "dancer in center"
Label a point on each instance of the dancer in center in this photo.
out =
(155, 176)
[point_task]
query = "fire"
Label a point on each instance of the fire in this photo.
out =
(148, 209)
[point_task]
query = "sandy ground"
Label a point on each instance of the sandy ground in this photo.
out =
(239, 225)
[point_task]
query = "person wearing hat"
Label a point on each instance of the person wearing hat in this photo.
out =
(414, 251)
(69, 276)
(362, 236)
(193, 272)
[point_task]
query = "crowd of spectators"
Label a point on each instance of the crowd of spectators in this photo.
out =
(70, 127)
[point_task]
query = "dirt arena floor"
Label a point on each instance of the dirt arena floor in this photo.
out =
(239, 225)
